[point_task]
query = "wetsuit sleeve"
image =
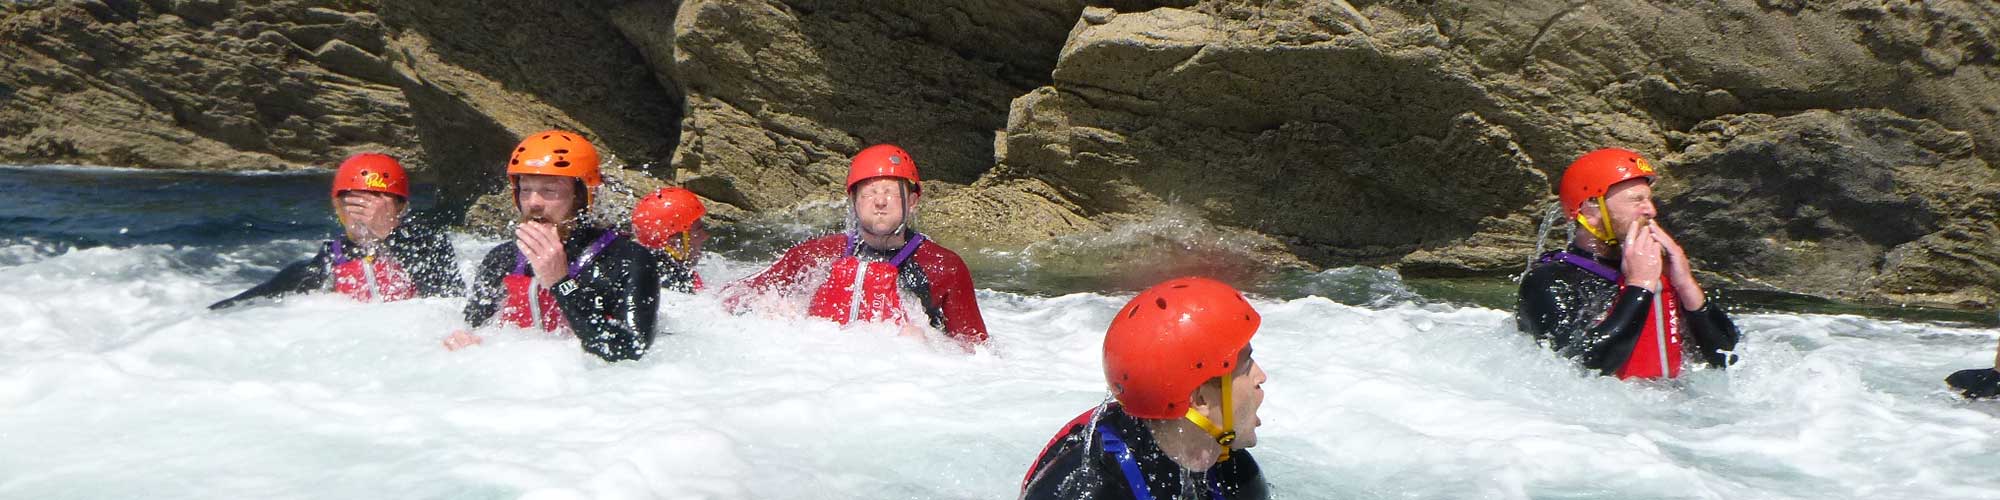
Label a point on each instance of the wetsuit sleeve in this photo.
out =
(487, 290)
(430, 263)
(784, 274)
(612, 307)
(952, 289)
(300, 277)
(1975, 383)
(1713, 332)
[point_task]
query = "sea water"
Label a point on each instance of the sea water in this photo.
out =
(117, 382)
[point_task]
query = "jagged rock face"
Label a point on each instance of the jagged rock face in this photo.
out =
(1353, 150)
(481, 75)
(1426, 136)
(272, 86)
(1429, 135)
(781, 93)
(1822, 201)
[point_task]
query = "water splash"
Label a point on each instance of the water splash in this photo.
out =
(1549, 218)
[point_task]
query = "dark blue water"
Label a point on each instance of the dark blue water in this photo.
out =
(82, 207)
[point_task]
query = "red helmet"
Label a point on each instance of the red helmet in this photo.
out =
(557, 153)
(665, 213)
(1171, 339)
(883, 160)
(1593, 174)
(371, 172)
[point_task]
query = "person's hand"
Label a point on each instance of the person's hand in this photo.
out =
(460, 339)
(369, 217)
(538, 241)
(1680, 271)
(1641, 264)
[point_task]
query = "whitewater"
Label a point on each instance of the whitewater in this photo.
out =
(116, 382)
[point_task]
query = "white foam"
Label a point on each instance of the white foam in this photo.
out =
(116, 383)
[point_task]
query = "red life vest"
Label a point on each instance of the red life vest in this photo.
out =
(543, 312)
(1658, 351)
(863, 291)
(368, 279)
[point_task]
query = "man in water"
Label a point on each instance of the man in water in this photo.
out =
(1622, 299)
(1186, 392)
(381, 255)
(669, 222)
(561, 274)
(873, 271)
(1977, 383)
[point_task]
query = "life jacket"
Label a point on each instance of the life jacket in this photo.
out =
(863, 291)
(369, 279)
(1658, 351)
(543, 311)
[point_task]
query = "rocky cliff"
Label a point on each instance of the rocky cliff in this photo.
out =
(1844, 148)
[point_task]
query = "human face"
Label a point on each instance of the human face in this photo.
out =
(1629, 201)
(879, 204)
(368, 216)
(1245, 397)
(546, 198)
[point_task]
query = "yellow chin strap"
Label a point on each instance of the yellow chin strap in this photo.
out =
(1224, 434)
(685, 249)
(1604, 234)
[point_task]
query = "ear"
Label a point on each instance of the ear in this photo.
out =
(1589, 210)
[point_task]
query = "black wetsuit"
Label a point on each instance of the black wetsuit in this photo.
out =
(1565, 307)
(609, 305)
(421, 249)
(675, 275)
(1078, 465)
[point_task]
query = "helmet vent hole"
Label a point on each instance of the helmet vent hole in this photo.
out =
(545, 137)
(562, 164)
(1225, 364)
(516, 161)
(1131, 311)
(1160, 302)
(1197, 365)
(562, 151)
(521, 149)
(1183, 285)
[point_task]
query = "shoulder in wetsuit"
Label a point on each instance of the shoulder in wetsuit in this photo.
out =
(1597, 321)
(1083, 462)
(422, 249)
(611, 306)
(935, 275)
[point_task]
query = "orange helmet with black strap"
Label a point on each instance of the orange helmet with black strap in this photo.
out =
(557, 153)
(665, 213)
(1171, 339)
(1591, 176)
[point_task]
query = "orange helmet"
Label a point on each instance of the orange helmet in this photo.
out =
(883, 160)
(1171, 339)
(557, 153)
(1591, 176)
(371, 172)
(665, 213)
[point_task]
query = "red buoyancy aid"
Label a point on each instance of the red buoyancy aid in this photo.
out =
(369, 279)
(863, 291)
(1658, 352)
(543, 312)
